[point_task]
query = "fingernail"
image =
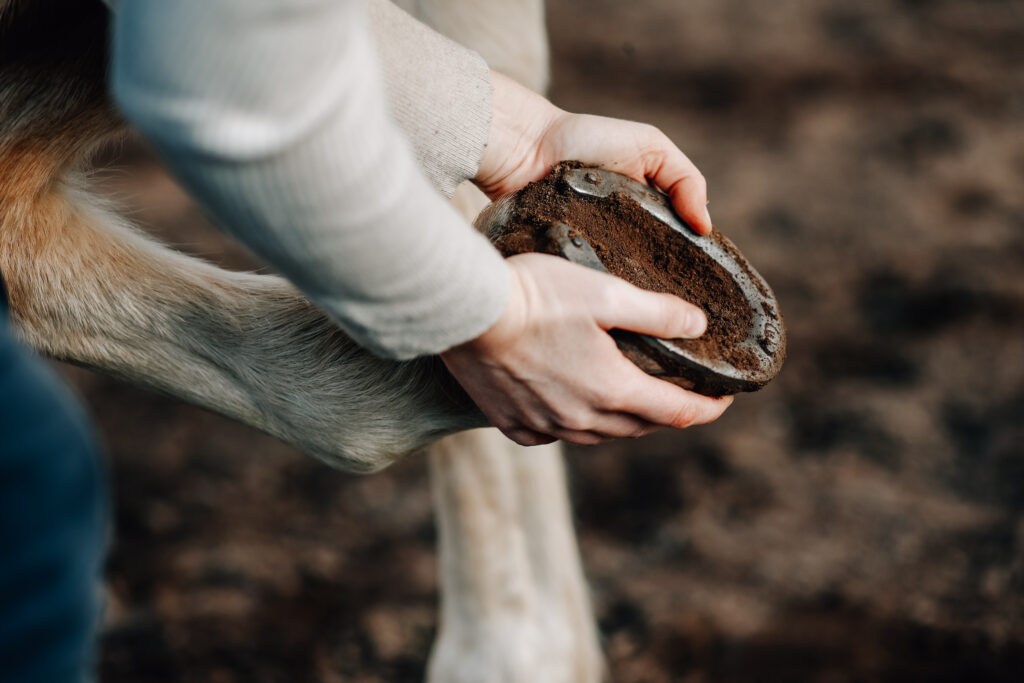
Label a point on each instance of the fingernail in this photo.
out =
(695, 324)
(707, 215)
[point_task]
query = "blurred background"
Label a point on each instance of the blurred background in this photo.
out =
(862, 518)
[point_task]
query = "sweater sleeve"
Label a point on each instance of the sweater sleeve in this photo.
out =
(272, 113)
(439, 94)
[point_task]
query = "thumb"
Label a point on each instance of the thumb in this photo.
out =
(627, 307)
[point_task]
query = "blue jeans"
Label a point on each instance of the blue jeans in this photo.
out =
(53, 523)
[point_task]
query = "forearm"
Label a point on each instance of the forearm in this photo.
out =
(438, 91)
(278, 125)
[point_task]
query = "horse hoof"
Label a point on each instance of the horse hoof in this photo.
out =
(609, 222)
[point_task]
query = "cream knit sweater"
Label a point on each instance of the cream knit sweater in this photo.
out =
(273, 114)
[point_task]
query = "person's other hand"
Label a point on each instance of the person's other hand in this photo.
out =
(549, 369)
(529, 135)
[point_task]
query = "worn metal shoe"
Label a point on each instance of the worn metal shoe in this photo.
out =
(606, 221)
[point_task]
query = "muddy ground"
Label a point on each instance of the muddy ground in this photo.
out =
(862, 518)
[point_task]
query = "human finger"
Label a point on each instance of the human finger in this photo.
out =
(627, 307)
(663, 403)
(623, 425)
(608, 426)
(672, 171)
(582, 438)
(603, 423)
(528, 437)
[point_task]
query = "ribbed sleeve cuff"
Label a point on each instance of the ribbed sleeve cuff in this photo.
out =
(439, 93)
(276, 121)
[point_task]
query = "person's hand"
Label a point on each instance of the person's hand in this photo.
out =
(549, 369)
(529, 135)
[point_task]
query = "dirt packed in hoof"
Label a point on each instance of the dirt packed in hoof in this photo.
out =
(639, 248)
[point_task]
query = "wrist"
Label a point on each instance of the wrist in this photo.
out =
(510, 323)
(519, 120)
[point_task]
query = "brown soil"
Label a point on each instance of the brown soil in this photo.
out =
(637, 247)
